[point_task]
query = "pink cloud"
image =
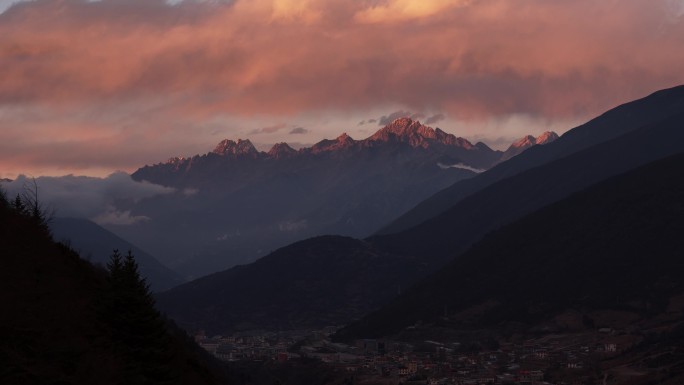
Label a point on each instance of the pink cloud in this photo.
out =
(136, 69)
(269, 129)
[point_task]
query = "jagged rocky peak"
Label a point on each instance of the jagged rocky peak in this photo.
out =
(342, 142)
(281, 150)
(526, 142)
(417, 134)
(529, 140)
(176, 160)
(344, 138)
(404, 126)
(546, 137)
(230, 147)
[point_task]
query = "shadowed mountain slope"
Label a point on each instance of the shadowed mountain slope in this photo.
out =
(59, 325)
(319, 282)
(616, 245)
(614, 123)
(451, 232)
(96, 244)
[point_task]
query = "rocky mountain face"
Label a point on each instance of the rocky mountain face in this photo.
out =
(281, 150)
(546, 137)
(231, 149)
(235, 204)
(526, 142)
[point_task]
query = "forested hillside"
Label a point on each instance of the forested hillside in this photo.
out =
(65, 322)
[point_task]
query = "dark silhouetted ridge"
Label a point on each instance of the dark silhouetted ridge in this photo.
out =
(56, 323)
(318, 282)
(614, 246)
(616, 122)
(452, 231)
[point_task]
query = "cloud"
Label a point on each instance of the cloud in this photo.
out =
(278, 127)
(461, 166)
(274, 128)
(387, 119)
(268, 129)
(89, 197)
(434, 119)
(122, 74)
(295, 10)
(112, 216)
(209, 58)
(299, 130)
(402, 10)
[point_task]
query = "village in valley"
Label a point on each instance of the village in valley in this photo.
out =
(578, 358)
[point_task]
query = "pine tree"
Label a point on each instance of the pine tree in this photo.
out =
(19, 206)
(4, 202)
(138, 328)
(33, 206)
(28, 205)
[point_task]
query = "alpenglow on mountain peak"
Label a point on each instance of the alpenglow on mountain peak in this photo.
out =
(401, 133)
(402, 130)
(528, 141)
(230, 147)
(417, 135)
(281, 150)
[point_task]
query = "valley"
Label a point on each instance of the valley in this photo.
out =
(377, 192)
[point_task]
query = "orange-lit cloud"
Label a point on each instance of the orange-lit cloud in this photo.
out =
(118, 73)
(401, 10)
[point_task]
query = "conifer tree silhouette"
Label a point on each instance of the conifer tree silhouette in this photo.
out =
(138, 328)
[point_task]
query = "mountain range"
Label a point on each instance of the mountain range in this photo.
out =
(504, 197)
(236, 204)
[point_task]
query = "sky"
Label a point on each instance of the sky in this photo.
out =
(91, 87)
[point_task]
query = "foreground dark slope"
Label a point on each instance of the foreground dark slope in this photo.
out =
(53, 323)
(451, 232)
(96, 244)
(614, 123)
(617, 245)
(314, 283)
